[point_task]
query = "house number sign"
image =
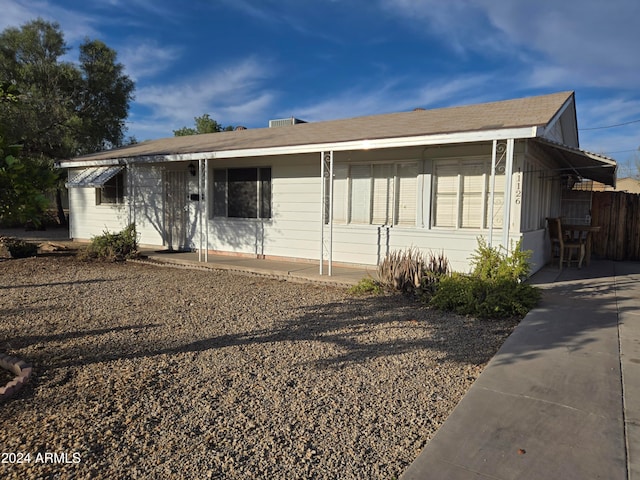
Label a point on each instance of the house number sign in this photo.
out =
(518, 192)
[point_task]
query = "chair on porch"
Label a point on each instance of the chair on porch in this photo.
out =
(565, 246)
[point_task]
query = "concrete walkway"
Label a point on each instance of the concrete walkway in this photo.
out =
(300, 271)
(289, 270)
(561, 398)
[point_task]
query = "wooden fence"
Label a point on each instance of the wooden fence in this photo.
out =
(618, 215)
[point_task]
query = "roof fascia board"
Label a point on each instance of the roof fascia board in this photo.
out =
(556, 118)
(373, 144)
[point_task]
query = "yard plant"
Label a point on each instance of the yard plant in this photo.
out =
(494, 289)
(412, 271)
(114, 246)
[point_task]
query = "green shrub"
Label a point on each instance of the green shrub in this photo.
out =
(494, 289)
(490, 262)
(482, 298)
(411, 271)
(114, 246)
(20, 249)
(366, 286)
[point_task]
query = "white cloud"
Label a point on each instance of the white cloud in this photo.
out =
(577, 42)
(587, 42)
(146, 59)
(74, 25)
(231, 94)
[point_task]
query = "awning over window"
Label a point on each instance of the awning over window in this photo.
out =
(94, 177)
(585, 164)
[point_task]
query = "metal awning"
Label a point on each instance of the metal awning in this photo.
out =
(94, 177)
(585, 164)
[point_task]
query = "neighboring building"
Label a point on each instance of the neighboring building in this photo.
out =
(349, 190)
(628, 184)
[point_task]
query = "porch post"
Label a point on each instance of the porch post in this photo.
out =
(326, 209)
(206, 209)
(322, 188)
(200, 207)
(330, 213)
(492, 191)
(508, 174)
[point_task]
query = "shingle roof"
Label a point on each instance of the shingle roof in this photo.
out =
(524, 112)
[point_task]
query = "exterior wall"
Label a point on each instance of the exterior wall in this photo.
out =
(542, 198)
(368, 244)
(294, 228)
(629, 185)
(144, 181)
(86, 219)
(538, 242)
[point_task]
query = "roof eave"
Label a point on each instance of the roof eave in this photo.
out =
(361, 144)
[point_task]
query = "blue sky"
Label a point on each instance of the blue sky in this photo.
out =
(247, 61)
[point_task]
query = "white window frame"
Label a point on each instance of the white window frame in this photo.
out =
(367, 185)
(260, 214)
(460, 165)
(120, 188)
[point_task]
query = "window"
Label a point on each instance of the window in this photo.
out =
(112, 191)
(242, 192)
(377, 194)
(462, 196)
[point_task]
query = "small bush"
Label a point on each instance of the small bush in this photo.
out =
(114, 246)
(20, 249)
(494, 289)
(411, 271)
(482, 298)
(366, 286)
(491, 263)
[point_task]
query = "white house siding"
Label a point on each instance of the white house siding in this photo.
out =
(146, 199)
(86, 219)
(294, 229)
(368, 244)
(538, 243)
(541, 199)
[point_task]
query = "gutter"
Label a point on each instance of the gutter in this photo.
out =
(365, 144)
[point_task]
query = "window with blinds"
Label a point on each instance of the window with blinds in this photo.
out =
(462, 194)
(375, 194)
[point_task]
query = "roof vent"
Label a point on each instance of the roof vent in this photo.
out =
(240, 127)
(283, 122)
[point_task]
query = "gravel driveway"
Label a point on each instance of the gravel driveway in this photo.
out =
(148, 372)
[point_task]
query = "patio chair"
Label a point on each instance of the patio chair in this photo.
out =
(564, 245)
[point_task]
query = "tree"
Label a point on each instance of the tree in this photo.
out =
(22, 181)
(204, 124)
(66, 109)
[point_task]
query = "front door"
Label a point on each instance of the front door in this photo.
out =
(175, 210)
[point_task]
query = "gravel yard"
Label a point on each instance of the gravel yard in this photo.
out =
(149, 372)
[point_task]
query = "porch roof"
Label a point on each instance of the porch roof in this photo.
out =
(519, 118)
(585, 164)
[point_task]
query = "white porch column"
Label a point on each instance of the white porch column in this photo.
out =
(204, 198)
(326, 210)
(508, 174)
(492, 189)
(200, 228)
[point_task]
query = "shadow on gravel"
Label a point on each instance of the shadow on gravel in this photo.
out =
(53, 284)
(573, 308)
(362, 329)
(26, 340)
